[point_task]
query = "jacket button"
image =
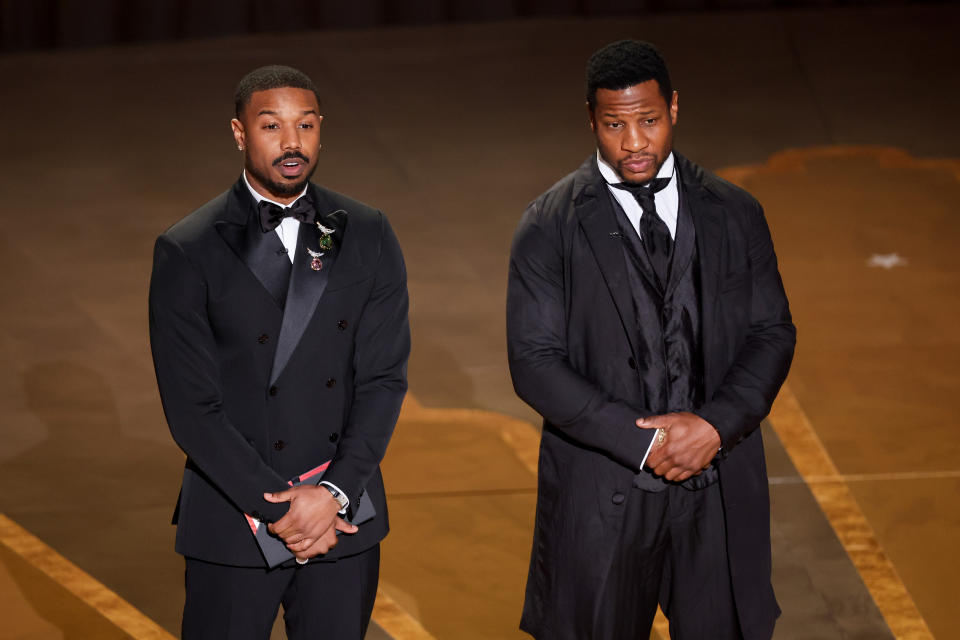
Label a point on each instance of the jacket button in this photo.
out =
(331, 382)
(262, 338)
(273, 391)
(617, 498)
(334, 437)
(279, 445)
(342, 325)
(631, 362)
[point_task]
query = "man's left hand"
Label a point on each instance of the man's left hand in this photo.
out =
(689, 444)
(312, 512)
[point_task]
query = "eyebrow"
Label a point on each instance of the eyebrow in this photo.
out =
(612, 114)
(269, 112)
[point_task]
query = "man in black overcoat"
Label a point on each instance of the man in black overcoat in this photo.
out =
(648, 325)
(278, 323)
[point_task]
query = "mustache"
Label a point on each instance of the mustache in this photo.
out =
(291, 154)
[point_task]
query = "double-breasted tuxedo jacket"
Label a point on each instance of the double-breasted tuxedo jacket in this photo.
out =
(574, 354)
(268, 369)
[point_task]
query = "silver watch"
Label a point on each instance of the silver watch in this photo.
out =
(341, 499)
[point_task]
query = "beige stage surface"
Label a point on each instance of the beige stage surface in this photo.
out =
(841, 122)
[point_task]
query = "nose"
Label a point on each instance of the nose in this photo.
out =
(634, 139)
(290, 139)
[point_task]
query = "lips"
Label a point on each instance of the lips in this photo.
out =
(291, 165)
(291, 168)
(638, 165)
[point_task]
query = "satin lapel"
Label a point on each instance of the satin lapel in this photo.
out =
(261, 252)
(599, 223)
(306, 285)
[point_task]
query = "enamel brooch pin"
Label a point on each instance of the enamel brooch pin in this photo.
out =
(326, 243)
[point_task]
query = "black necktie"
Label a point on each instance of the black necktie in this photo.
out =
(653, 230)
(272, 215)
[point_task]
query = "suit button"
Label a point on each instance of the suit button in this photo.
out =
(631, 362)
(331, 382)
(273, 391)
(342, 325)
(262, 338)
(279, 445)
(617, 498)
(334, 437)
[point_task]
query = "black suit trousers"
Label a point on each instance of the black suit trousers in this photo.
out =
(320, 599)
(671, 551)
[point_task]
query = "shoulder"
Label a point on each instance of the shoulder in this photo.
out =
(555, 206)
(715, 187)
(197, 225)
(556, 200)
(329, 201)
(363, 221)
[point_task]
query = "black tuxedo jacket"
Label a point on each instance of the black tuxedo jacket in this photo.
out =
(570, 329)
(266, 371)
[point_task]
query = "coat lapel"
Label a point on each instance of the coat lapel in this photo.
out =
(597, 217)
(261, 252)
(711, 240)
(683, 246)
(307, 285)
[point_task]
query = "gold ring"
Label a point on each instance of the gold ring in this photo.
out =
(661, 436)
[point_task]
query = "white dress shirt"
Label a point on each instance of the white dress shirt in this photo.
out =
(288, 230)
(288, 227)
(667, 199)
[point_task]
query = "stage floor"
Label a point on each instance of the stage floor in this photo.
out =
(841, 122)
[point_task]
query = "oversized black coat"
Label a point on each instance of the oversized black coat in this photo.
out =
(261, 381)
(570, 320)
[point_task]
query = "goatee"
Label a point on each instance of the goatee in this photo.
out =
(283, 189)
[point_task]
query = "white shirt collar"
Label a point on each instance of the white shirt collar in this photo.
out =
(257, 197)
(667, 199)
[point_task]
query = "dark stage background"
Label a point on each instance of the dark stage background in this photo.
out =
(52, 24)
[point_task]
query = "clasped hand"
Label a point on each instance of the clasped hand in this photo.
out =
(688, 446)
(310, 526)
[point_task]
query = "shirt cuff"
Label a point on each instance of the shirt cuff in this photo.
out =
(337, 489)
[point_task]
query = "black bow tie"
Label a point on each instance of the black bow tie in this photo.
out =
(271, 215)
(653, 230)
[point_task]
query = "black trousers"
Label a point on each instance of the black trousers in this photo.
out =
(672, 551)
(320, 599)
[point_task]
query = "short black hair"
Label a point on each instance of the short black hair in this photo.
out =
(274, 76)
(626, 63)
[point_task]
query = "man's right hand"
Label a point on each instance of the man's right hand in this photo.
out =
(312, 513)
(307, 548)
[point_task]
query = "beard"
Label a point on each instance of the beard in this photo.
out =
(283, 189)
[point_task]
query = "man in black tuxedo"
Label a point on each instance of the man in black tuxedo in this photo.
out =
(645, 314)
(278, 323)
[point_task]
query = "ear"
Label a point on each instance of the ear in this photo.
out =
(591, 118)
(238, 134)
(674, 102)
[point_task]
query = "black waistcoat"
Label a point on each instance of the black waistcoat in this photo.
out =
(668, 335)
